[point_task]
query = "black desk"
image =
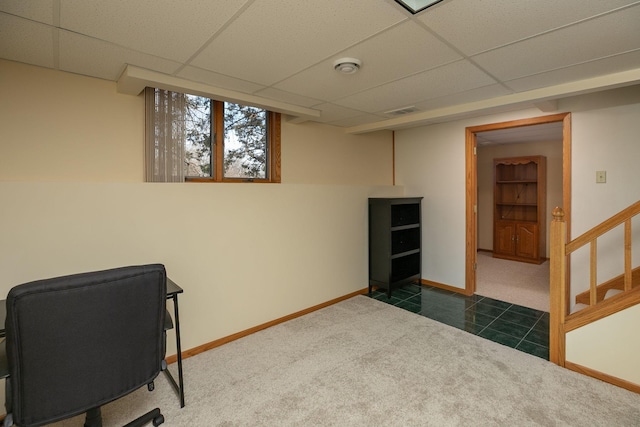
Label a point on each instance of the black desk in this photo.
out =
(172, 293)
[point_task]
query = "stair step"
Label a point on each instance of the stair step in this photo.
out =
(612, 292)
(579, 306)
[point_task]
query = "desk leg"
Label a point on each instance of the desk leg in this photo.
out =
(180, 378)
(179, 388)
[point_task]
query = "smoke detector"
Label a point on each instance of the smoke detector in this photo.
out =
(347, 65)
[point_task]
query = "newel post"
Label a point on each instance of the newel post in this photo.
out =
(558, 286)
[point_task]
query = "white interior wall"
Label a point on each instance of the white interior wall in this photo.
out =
(610, 345)
(604, 139)
(430, 162)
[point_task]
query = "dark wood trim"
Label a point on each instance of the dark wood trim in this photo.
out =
(275, 135)
(217, 149)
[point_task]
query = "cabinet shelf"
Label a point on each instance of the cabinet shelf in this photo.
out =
(516, 204)
(405, 227)
(519, 220)
(403, 254)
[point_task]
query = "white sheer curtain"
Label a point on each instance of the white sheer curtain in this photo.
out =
(165, 135)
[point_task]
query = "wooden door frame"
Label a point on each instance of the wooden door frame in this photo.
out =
(471, 172)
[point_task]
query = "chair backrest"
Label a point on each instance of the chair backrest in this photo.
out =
(80, 341)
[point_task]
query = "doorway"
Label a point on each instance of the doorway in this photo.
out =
(472, 181)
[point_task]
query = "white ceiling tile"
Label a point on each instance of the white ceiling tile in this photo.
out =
(93, 57)
(26, 41)
(612, 64)
(333, 112)
(357, 121)
(284, 49)
(272, 40)
(328, 84)
(41, 11)
(465, 97)
(449, 79)
(150, 25)
(391, 55)
(605, 36)
(218, 80)
(288, 97)
(475, 26)
(537, 133)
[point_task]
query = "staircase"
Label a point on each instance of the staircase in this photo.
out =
(606, 290)
(601, 299)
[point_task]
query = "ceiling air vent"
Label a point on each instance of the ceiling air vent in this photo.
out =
(402, 111)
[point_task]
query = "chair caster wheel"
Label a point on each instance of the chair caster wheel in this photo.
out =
(158, 420)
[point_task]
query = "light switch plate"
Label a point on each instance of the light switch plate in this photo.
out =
(601, 177)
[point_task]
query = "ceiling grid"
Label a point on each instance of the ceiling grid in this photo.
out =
(453, 58)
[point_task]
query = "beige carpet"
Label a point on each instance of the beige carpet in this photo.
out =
(362, 362)
(513, 281)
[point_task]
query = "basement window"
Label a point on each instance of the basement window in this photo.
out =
(198, 139)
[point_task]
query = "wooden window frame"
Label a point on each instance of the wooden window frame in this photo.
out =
(274, 121)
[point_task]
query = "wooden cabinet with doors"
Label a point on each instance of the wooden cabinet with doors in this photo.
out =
(519, 196)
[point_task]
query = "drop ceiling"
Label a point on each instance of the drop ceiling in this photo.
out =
(458, 58)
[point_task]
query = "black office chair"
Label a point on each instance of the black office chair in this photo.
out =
(77, 342)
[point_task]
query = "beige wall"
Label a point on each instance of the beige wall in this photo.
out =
(245, 254)
(58, 126)
(313, 153)
(552, 150)
(73, 200)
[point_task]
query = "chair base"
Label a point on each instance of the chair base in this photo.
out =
(154, 415)
(94, 418)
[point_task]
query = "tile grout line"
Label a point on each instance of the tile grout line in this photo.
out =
(496, 318)
(475, 302)
(525, 335)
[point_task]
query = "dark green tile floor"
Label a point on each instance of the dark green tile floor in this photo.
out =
(512, 325)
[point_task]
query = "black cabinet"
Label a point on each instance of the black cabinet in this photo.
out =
(394, 242)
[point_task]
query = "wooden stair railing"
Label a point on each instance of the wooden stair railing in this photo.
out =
(560, 321)
(617, 283)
